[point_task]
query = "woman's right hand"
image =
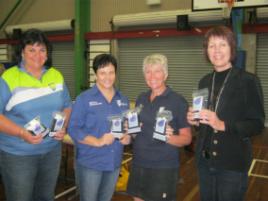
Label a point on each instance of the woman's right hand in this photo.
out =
(107, 139)
(31, 139)
(190, 117)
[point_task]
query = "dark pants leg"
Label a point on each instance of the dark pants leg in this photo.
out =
(221, 185)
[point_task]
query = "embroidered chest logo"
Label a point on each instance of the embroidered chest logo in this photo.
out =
(120, 103)
(94, 103)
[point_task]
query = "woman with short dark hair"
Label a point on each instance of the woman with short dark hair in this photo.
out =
(99, 153)
(32, 93)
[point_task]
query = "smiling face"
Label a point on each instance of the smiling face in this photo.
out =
(219, 53)
(155, 77)
(105, 77)
(34, 56)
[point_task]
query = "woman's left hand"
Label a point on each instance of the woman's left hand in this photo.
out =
(169, 132)
(59, 135)
(210, 118)
(125, 139)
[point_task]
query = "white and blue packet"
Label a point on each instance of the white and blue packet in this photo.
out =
(57, 123)
(200, 101)
(132, 117)
(116, 126)
(36, 127)
(162, 118)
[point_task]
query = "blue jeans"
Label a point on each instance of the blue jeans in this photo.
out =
(30, 178)
(96, 185)
(221, 185)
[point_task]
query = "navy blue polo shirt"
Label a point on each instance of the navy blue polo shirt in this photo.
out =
(150, 152)
(90, 116)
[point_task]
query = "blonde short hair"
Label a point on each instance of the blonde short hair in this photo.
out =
(153, 59)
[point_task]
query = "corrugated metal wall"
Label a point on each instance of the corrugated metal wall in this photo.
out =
(4, 53)
(96, 47)
(262, 67)
(186, 63)
(63, 60)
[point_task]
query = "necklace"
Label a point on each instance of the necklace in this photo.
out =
(219, 94)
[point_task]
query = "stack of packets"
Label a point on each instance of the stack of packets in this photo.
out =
(133, 123)
(162, 118)
(200, 101)
(37, 128)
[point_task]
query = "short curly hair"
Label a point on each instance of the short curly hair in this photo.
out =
(156, 59)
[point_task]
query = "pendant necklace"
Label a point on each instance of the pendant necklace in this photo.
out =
(219, 94)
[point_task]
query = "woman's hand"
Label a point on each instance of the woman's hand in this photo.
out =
(59, 135)
(210, 118)
(28, 137)
(182, 138)
(91, 140)
(125, 139)
(107, 139)
(190, 117)
(169, 132)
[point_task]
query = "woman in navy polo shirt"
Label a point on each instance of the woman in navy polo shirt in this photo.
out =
(98, 153)
(155, 166)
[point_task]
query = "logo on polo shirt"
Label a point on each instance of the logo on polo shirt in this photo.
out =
(120, 103)
(94, 103)
(52, 85)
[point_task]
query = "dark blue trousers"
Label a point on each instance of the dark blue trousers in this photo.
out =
(221, 185)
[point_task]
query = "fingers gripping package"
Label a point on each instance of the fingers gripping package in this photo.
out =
(36, 127)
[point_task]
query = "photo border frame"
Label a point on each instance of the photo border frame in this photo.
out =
(203, 5)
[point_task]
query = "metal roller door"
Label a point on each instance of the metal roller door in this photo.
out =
(262, 68)
(63, 60)
(186, 63)
(96, 47)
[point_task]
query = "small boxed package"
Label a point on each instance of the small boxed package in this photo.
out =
(162, 118)
(36, 127)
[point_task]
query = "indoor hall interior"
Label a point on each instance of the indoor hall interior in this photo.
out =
(130, 31)
(187, 187)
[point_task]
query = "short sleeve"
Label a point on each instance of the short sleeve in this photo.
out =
(66, 97)
(5, 95)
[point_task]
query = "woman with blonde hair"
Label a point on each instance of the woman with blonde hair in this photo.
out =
(155, 167)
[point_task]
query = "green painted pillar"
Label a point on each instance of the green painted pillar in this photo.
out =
(82, 26)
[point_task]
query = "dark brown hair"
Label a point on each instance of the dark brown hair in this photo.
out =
(102, 60)
(30, 37)
(222, 32)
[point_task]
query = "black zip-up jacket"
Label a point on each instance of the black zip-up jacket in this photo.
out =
(241, 108)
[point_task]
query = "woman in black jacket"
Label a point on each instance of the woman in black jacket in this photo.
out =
(234, 113)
